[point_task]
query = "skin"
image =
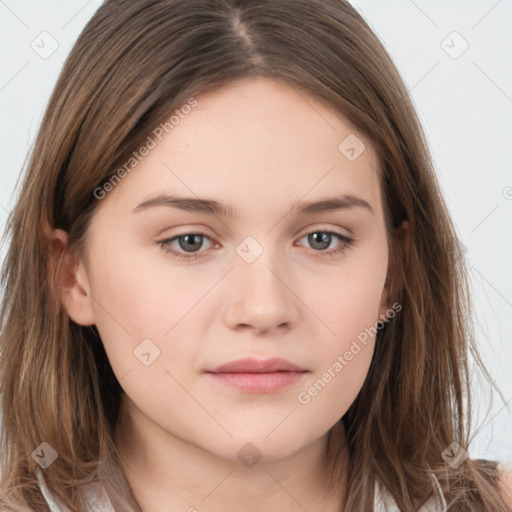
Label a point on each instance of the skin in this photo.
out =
(261, 147)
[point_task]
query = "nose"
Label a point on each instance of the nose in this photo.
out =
(260, 297)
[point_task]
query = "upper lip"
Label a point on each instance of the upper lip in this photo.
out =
(252, 365)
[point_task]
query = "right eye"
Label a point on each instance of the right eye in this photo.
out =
(192, 240)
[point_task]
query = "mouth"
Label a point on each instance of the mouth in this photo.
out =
(258, 376)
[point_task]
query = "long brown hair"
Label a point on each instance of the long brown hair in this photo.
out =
(137, 61)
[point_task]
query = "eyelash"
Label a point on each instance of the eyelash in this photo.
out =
(346, 243)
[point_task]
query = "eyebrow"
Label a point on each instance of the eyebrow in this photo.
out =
(212, 207)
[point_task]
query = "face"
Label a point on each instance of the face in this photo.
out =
(179, 289)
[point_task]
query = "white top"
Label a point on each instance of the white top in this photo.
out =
(98, 500)
(384, 502)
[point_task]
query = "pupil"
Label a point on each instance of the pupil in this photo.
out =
(324, 239)
(190, 241)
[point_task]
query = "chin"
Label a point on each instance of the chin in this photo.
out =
(262, 447)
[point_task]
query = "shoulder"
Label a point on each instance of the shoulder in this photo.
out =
(505, 484)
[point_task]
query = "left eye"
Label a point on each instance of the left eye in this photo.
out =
(322, 239)
(189, 244)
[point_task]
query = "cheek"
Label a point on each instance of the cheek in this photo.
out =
(347, 299)
(136, 301)
(327, 396)
(343, 356)
(347, 302)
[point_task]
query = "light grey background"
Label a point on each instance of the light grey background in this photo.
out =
(464, 99)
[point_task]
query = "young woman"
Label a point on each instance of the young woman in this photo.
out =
(232, 281)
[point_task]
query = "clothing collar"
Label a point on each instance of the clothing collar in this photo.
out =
(384, 502)
(98, 501)
(96, 497)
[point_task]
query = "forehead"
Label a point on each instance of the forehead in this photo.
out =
(255, 145)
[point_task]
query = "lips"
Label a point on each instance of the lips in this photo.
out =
(258, 376)
(252, 365)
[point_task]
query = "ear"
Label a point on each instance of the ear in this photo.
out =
(71, 279)
(399, 255)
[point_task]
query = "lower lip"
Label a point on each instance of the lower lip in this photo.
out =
(258, 382)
